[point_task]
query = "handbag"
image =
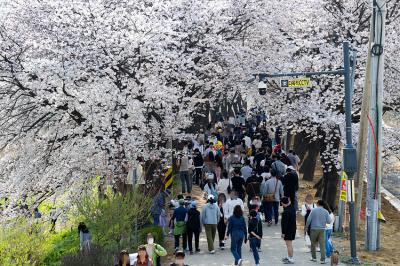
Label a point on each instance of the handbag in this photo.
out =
(270, 197)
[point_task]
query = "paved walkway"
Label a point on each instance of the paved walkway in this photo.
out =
(273, 250)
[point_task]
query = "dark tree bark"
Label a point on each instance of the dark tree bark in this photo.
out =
(328, 190)
(308, 151)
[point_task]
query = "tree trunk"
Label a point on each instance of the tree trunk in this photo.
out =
(307, 151)
(329, 151)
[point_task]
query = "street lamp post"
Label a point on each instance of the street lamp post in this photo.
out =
(349, 152)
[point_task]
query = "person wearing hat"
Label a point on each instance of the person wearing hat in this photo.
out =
(193, 227)
(179, 259)
(179, 218)
(142, 257)
(155, 251)
(210, 188)
(290, 184)
(209, 217)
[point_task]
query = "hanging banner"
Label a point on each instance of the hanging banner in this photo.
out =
(343, 187)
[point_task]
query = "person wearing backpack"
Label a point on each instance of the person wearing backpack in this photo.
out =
(255, 235)
(193, 227)
(272, 191)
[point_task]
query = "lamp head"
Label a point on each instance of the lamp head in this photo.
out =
(262, 87)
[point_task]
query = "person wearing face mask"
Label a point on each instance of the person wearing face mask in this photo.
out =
(155, 251)
(179, 259)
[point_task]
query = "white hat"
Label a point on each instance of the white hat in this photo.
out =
(291, 168)
(210, 197)
(210, 176)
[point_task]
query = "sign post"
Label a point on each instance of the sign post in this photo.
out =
(296, 83)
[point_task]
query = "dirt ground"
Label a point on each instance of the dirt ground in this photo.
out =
(390, 234)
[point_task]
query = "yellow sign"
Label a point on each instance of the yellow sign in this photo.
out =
(296, 83)
(168, 178)
(343, 187)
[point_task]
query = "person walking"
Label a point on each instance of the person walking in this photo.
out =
(84, 237)
(328, 232)
(238, 232)
(179, 259)
(231, 204)
(255, 235)
(143, 258)
(224, 184)
(290, 184)
(210, 188)
(221, 227)
(183, 164)
(158, 205)
(278, 165)
(238, 183)
(198, 163)
(179, 218)
(210, 216)
(155, 251)
(123, 259)
(272, 191)
(317, 221)
(306, 209)
(288, 226)
(193, 227)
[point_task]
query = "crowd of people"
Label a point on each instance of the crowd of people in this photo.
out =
(241, 168)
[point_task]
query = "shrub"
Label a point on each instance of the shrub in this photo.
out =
(60, 244)
(21, 243)
(96, 256)
(111, 219)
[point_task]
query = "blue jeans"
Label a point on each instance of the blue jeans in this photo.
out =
(253, 245)
(271, 208)
(185, 181)
(236, 245)
(328, 242)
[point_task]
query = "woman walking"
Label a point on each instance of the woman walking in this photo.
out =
(288, 225)
(193, 227)
(210, 188)
(221, 227)
(238, 232)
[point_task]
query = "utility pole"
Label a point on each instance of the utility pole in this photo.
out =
(363, 132)
(372, 238)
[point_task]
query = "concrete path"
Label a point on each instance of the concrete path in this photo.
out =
(273, 249)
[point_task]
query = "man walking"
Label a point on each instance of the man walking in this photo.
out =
(318, 219)
(272, 192)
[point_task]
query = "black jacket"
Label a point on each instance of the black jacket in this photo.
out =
(193, 222)
(290, 185)
(255, 225)
(198, 160)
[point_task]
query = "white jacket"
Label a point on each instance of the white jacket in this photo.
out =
(230, 205)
